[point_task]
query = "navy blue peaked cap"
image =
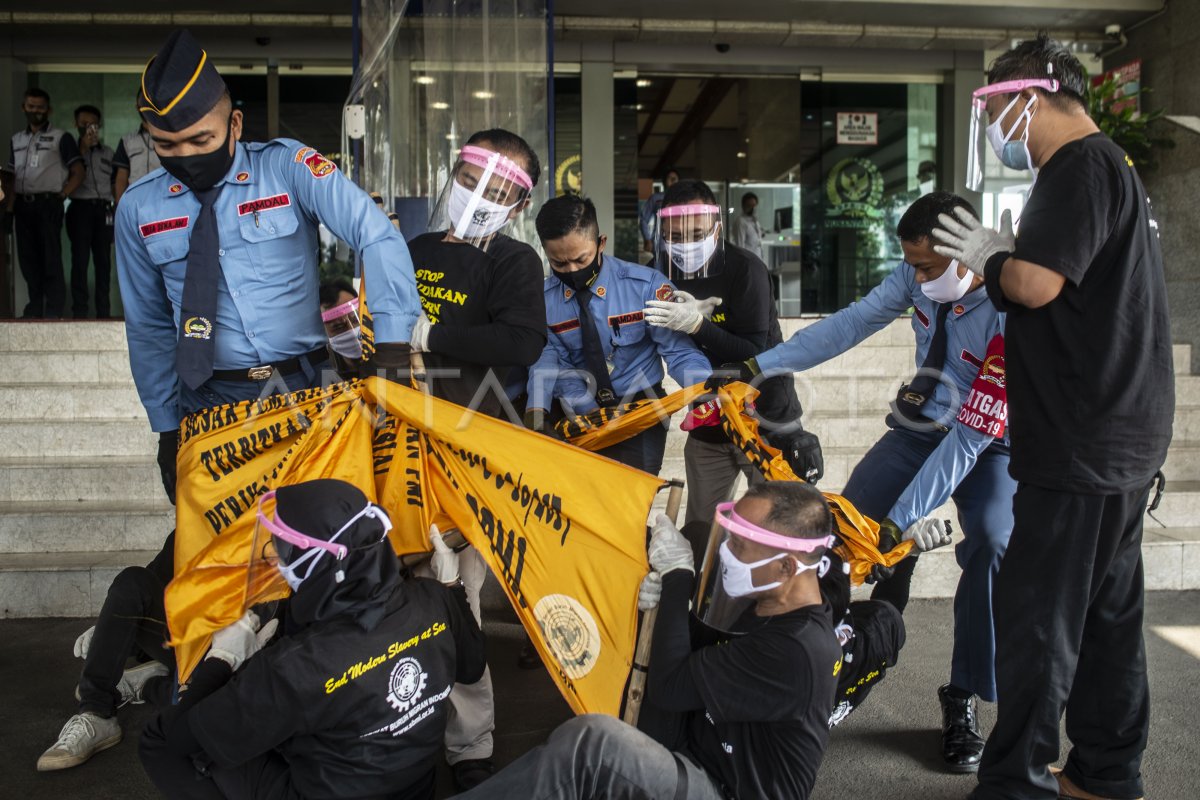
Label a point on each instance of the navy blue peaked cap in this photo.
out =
(179, 85)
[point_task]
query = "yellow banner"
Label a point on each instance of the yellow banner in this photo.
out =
(562, 529)
(604, 427)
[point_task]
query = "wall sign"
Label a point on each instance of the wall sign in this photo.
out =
(857, 128)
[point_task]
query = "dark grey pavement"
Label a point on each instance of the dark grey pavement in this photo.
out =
(888, 749)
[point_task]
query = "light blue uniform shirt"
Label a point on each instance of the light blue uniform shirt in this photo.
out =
(970, 327)
(633, 349)
(267, 301)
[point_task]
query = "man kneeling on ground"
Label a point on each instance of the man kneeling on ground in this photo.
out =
(351, 701)
(753, 712)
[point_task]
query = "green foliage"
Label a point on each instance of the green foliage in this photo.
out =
(1126, 127)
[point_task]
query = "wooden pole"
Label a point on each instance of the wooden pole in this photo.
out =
(641, 654)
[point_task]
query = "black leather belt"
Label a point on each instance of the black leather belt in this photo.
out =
(39, 196)
(266, 371)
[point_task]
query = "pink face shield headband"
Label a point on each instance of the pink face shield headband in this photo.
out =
(294, 537)
(979, 96)
(498, 164)
(728, 519)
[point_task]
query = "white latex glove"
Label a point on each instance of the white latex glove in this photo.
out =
(84, 643)
(444, 561)
(928, 533)
(418, 341)
(708, 305)
(682, 313)
(237, 642)
(650, 592)
(669, 549)
(967, 240)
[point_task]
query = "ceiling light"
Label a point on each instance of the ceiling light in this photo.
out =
(741, 154)
(642, 83)
(424, 80)
(440, 106)
(483, 94)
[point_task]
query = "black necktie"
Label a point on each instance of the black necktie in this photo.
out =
(198, 311)
(593, 351)
(913, 397)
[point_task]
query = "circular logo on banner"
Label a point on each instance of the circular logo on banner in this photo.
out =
(571, 633)
(406, 684)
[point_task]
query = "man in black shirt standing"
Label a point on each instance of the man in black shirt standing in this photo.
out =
(723, 302)
(485, 316)
(753, 711)
(350, 702)
(1091, 401)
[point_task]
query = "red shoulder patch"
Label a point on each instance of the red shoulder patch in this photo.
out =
(163, 225)
(986, 407)
(664, 292)
(319, 165)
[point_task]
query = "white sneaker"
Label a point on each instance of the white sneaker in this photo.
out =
(134, 680)
(83, 736)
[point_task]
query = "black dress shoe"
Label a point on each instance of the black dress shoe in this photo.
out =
(472, 772)
(962, 746)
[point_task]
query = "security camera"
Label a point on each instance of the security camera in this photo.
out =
(1112, 31)
(722, 47)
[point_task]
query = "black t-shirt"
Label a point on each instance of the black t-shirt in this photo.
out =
(1091, 387)
(489, 312)
(356, 714)
(743, 326)
(767, 696)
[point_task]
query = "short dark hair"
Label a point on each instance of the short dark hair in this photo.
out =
(1044, 57)
(798, 510)
(564, 215)
(749, 196)
(687, 191)
(86, 109)
(40, 94)
(667, 172)
(510, 144)
(331, 289)
(921, 217)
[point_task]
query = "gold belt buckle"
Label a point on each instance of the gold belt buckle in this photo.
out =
(260, 373)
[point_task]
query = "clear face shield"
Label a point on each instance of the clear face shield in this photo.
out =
(726, 592)
(1001, 144)
(282, 558)
(688, 241)
(343, 328)
(479, 200)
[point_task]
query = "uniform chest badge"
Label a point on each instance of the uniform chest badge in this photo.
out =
(175, 188)
(600, 292)
(568, 294)
(958, 310)
(242, 177)
(664, 292)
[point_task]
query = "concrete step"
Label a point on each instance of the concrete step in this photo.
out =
(67, 366)
(61, 584)
(82, 439)
(90, 336)
(72, 480)
(84, 527)
(63, 401)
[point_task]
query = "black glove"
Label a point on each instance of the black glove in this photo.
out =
(168, 451)
(535, 420)
(879, 573)
(802, 452)
(394, 359)
(743, 371)
(890, 535)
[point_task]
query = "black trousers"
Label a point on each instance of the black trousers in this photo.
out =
(644, 451)
(87, 228)
(132, 617)
(1068, 610)
(38, 226)
(878, 638)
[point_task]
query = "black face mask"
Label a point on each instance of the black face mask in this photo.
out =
(36, 118)
(581, 279)
(203, 171)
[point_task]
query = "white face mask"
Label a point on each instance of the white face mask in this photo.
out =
(485, 219)
(947, 287)
(347, 344)
(690, 257)
(1013, 154)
